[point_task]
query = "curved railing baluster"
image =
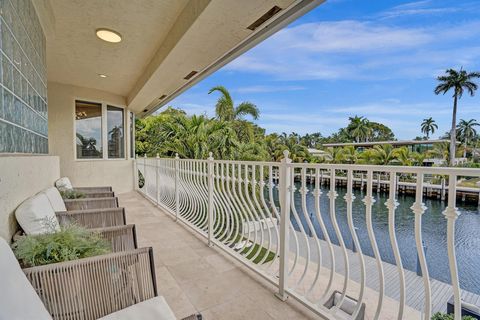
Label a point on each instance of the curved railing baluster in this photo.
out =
(227, 214)
(332, 194)
(260, 216)
(246, 184)
(275, 213)
(273, 239)
(313, 234)
(349, 198)
(451, 214)
(248, 217)
(302, 232)
(318, 214)
(369, 201)
(392, 204)
(418, 209)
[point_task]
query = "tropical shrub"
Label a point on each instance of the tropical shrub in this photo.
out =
(70, 243)
(444, 316)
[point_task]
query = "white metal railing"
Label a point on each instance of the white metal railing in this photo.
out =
(271, 217)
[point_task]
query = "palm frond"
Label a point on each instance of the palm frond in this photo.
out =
(247, 108)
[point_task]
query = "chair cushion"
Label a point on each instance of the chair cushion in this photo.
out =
(18, 299)
(36, 215)
(152, 309)
(63, 184)
(55, 199)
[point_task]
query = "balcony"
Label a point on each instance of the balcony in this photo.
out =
(194, 277)
(360, 236)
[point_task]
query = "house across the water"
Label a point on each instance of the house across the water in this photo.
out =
(413, 145)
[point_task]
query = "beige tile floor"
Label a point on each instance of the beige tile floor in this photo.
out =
(196, 278)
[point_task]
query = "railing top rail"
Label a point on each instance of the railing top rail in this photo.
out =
(256, 163)
(356, 167)
(391, 169)
(251, 163)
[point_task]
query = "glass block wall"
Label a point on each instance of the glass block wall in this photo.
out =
(23, 90)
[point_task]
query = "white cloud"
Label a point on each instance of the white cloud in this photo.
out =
(360, 50)
(418, 8)
(392, 108)
(198, 109)
(266, 89)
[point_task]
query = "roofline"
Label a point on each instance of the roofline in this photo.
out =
(276, 23)
(393, 143)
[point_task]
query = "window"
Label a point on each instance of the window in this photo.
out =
(116, 140)
(100, 131)
(88, 121)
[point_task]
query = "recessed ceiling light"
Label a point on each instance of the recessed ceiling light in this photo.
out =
(101, 75)
(108, 35)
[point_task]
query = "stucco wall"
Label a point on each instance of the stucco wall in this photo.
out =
(117, 173)
(20, 178)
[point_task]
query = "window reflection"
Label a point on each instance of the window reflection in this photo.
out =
(115, 132)
(88, 123)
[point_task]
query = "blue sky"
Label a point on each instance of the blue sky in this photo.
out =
(377, 59)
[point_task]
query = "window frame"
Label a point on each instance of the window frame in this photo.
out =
(131, 133)
(124, 126)
(104, 130)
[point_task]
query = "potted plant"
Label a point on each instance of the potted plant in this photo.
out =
(72, 194)
(70, 243)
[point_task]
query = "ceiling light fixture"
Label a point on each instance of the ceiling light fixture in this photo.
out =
(101, 75)
(108, 35)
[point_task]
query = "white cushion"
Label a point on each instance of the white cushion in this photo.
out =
(36, 215)
(152, 309)
(18, 299)
(63, 184)
(55, 199)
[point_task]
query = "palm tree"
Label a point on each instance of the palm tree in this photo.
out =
(359, 128)
(384, 154)
(350, 154)
(225, 109)
(428, 125)
(368, 156)
(440, 150)
(298, 152)
(458, 81)
(250, 152)
(404, 156)
(334, 155)
(466, 131)
(194, 137)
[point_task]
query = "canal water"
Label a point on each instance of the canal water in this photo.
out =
(434, 232)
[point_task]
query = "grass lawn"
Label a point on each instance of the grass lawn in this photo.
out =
(470, 183)
(253, 253)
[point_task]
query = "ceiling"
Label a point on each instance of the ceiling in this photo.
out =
(162, 42)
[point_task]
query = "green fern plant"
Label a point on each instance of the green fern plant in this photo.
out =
(72, 194)
(70, 243)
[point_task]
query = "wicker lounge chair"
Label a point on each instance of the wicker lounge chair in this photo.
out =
(32, 214)
(117, 286)
(104, 216)
(90, 192)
